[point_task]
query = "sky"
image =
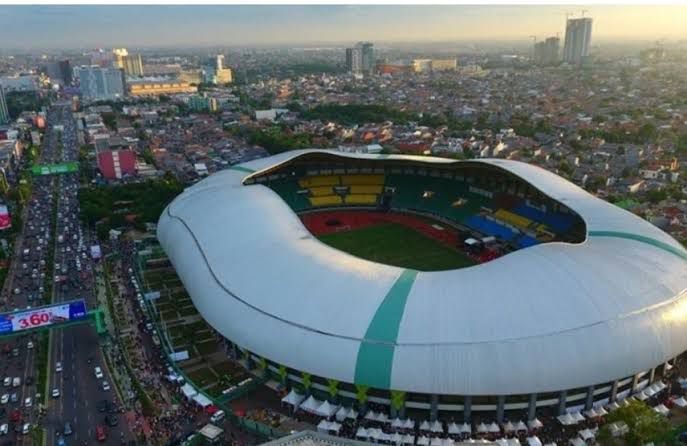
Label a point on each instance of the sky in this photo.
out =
(234, 25)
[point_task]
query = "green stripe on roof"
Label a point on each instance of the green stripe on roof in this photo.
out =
(376, 352)
(242, 169)
(640, 238)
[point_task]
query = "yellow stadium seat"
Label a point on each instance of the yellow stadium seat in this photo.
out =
(320, 191)
(327, 200)
(362, 179)
(513, 219)
(319, 180)
(361, 199)
(366, 189)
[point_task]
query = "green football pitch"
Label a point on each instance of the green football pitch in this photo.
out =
(398, 245)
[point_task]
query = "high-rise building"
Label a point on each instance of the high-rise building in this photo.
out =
(98, 83)
(4, 113)
(360, 58)
(578, 35)
(546, 52)
(132, 64)
(214, 71)
(60, 72)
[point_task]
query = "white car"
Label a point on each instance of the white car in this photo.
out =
(58, 367)
(55, 392)
(29, 345)
(98, 372)
(4, 429)
(25, 428)
(106, 386)
(28, 402)
(7, 381)
(5, 398)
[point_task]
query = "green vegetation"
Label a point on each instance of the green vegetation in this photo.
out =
(108, 205)
(356, 114)
(645, 425)
(276, 139)
(398, 245)
(21, 101)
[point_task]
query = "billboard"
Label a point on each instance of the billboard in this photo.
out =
(51, 169)
(5, 221)
(18, 321)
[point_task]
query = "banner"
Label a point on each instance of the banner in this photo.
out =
(52, 169)
(41, 317)
(5, 221)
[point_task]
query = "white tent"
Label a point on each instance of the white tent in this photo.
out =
(408, 424)
(397, 438)
(188, 391)
(586, 434)
(453, 429)
(422, 441)
(310, 404)
(435, 441)
(436, 427)
(535, 424)
(566, 419)
(577, 441)
(618, 429)
(293, 398)
(202, 400)
(613, 406)
(578, 416)
(642, 396)
(600, 411)
(361, 433)
(681, 402)
(494, 428)
(661, 385)
(382, 417)
(397, 422)
(323, 426)
(447, 442)
(663, 410)
(501, 442)
(371, 415)
(352, 414)
(553, 443)
(482, 428)
(513, 442)
(326, 409)
(408, 439)
(508, 427)
(534, 441)
(341, 413)
(650, 391)
(334, 426)
(424, 426)
(591, 413)
(374, 433)
(466, 428)
(383, 436)
(521, 426)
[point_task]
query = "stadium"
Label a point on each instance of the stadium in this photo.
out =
(451, 287)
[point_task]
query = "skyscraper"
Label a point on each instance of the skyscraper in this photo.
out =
(214, 71)
(578, 35)
(546, 52)
(60, 72)
(132, 64)
(360, 58)
(4, 113)
(98, 83)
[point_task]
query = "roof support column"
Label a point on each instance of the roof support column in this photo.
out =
(614, 391)
(532, 407)
(500, 408)
(467, 409)
(434, 407)
(590, 398)
(561, 402)
(652, 375)
(635, 381)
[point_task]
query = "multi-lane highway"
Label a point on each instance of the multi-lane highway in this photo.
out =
(82, 408)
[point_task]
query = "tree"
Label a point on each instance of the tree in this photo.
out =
(645, 425)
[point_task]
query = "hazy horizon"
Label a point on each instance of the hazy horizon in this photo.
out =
(25, 27)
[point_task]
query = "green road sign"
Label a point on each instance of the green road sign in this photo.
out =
(52, 169)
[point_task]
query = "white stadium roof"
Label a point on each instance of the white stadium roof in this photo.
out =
(549, 317)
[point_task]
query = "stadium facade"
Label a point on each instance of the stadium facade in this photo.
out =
(595, 313)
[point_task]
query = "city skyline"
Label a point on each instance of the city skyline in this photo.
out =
(163, 26)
